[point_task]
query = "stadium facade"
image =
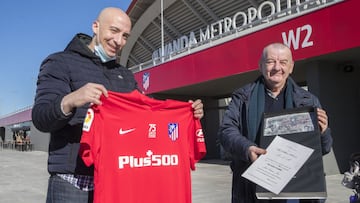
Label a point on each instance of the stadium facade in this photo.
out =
(206, 49)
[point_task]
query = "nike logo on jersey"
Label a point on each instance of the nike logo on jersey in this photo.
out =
(123, 132)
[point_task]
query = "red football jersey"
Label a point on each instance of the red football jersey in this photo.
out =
(142, 148)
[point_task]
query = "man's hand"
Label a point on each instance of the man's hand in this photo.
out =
(197, 105)
(255, 152)
(89, 93)
(323, 120)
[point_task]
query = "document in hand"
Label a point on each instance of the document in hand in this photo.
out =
(299, 125)
(276, 168)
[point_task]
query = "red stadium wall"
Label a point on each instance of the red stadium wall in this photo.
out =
(20, 117)
(324, 31)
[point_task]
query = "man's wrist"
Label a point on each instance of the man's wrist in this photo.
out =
(63, 110)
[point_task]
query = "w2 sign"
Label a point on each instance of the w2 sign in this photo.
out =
(292, 38)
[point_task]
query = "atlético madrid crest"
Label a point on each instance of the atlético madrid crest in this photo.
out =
(146, 80)
(173, 131)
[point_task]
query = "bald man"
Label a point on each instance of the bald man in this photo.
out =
(68, 82)
(273, 91)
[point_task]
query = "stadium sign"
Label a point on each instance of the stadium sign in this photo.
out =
(241, 21)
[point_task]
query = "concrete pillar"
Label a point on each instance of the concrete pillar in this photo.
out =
(210, 123)
(40, 140)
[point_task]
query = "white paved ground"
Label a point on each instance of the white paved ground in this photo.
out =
(23, 179)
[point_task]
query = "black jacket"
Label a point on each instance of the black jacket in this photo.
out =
(233, 136)
(60, 74)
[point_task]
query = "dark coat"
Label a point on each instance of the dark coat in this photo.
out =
(233, 136)
(60, 74)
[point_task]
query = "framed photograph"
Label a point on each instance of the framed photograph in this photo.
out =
(301, 126)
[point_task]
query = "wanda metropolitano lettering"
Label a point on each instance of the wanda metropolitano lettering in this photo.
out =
(275, 9)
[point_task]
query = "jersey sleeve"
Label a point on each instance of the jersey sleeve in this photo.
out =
(197, 144)
(88, 139)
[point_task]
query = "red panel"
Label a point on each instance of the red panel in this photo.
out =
(331, 29)
(131, 6)
(16, 118)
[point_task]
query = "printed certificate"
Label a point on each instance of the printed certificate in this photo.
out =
(277, 167)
